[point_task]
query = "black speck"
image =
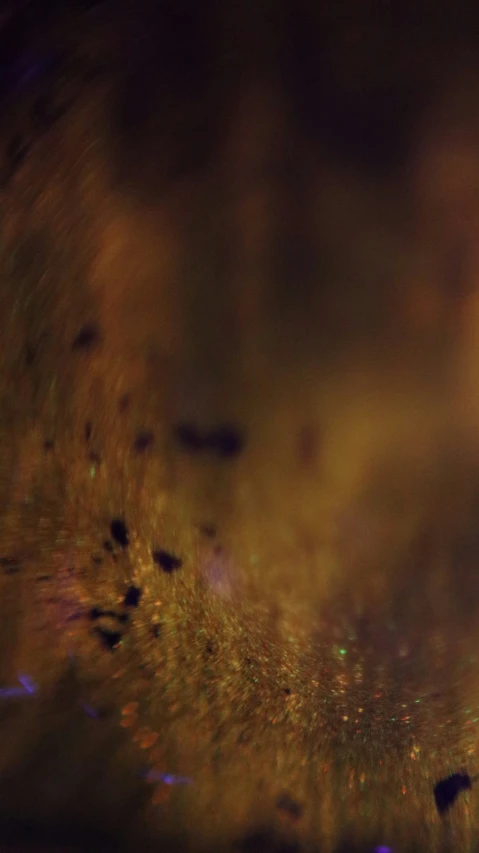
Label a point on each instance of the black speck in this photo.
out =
(88, 429)
(143, 441)
(10, 565)
(41, 578)
(190, 438)
(209, 649)
(88, 337)
(95, 613)
(119, 532)
(97, 559)
(95, 458)
(132, 596)
(286, 804)
(156, 630)
(287, 690)
(48, 445)
(168, 562)
(446, 790)
(124, 402)
(208, 530)
(108, 545)
(225, 441)
(109, 639)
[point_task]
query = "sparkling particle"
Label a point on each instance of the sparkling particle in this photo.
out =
(167, 778)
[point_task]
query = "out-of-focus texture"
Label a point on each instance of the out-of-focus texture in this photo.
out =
(239, 419)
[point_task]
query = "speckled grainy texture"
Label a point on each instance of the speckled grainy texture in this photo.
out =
(238, 429)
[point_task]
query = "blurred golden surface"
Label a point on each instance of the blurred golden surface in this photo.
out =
(239, 411)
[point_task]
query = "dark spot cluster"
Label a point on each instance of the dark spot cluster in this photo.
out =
(224, 441)
(108, 622)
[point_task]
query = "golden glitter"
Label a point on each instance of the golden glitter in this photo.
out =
(131, 708)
